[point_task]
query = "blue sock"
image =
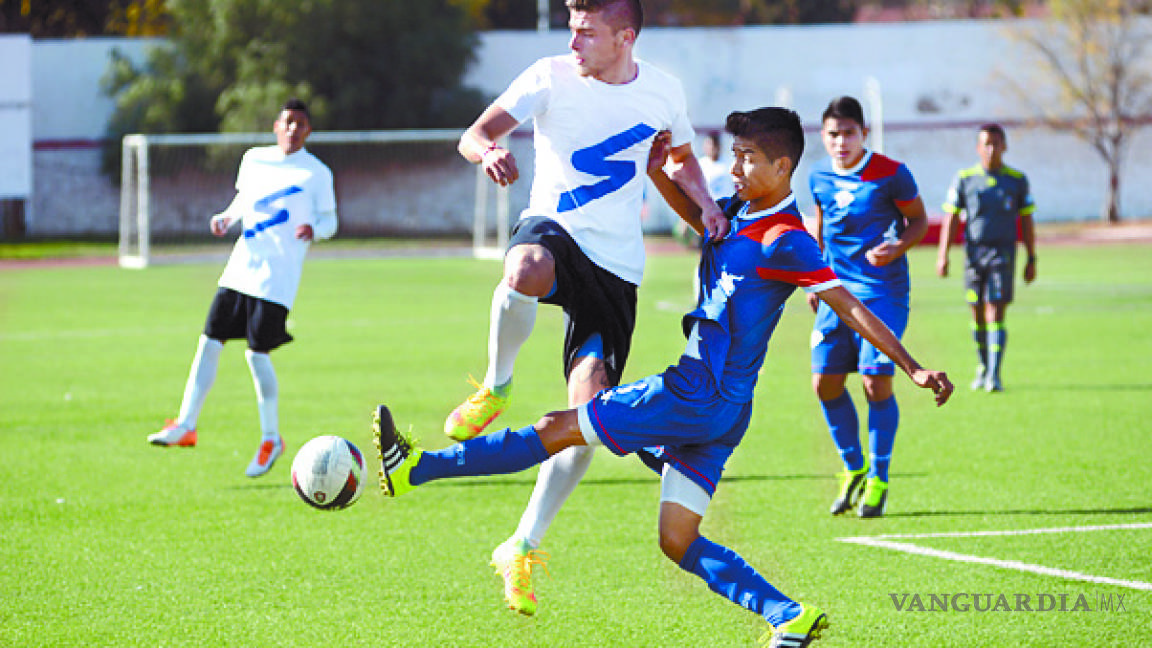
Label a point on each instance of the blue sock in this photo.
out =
(728, 575)
(883, 419)
(499, 453)
(840, 413)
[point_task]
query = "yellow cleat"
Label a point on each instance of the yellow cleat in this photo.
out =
(397, 453)
(514, 564)
(875, 498)
(851, 487)
(473, 415)
(799, 631)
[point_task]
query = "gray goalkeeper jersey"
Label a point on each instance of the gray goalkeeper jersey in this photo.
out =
(993, 200)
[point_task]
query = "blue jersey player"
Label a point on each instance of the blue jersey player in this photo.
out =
(696, 412)
(868, 214)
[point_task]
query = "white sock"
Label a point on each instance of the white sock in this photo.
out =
(200, 379)
(555, 482)
(267, 392)
(512, 318)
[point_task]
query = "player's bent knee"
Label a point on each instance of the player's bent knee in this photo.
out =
(877, 388)
(676, 538)
(674, 547)
(530, 270)
(682, 507)
(828, 386)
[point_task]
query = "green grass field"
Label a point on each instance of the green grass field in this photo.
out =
(107, 541)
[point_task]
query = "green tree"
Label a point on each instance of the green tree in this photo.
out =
(54, 19)
(361, 64)
(1094, 78)
(137, 18)
(73, 18)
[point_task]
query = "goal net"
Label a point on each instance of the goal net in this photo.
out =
(409, 184)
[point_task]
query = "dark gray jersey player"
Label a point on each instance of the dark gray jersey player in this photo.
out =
(993, 200)
(998, 204)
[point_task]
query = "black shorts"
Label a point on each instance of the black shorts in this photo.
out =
(235, 316)
(594, 300)
(989, 272)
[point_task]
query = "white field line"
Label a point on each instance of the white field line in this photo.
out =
(883, 542)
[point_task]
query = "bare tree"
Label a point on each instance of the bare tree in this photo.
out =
(1095, 57)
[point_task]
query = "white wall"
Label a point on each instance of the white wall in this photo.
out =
(68, 105)
(939, 80)
(15, 117)
(69, 117)
(951, 64)
(948, 63)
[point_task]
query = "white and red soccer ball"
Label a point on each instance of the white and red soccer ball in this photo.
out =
(328, 473)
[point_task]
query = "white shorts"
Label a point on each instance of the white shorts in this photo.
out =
(678, 489)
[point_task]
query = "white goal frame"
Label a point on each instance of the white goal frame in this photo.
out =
(135, 239)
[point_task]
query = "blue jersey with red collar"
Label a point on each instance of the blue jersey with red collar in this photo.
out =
(744, 281)
(859, 211)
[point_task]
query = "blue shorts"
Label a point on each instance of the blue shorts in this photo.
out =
(679, 410)
(838, 349)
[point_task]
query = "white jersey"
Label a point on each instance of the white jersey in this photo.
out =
(592, 141)
(275, 195)
(718, 174)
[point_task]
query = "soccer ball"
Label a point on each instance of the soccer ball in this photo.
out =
(328, 473)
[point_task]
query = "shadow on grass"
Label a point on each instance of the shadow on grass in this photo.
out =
(505, 480)
(264, 485)
(652, 478)
(1101, 511)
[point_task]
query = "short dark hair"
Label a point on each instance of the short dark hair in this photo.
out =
(993, 128)
(296, 104)
(619, 14)
(844, 108)
(775, 131)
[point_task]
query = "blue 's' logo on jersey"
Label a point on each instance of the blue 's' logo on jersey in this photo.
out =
(593, 160)
(278, 216)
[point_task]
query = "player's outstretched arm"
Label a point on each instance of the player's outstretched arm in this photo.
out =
(863, 321)
(478, 145)
(690, 177)
(816, 228)
(679, 201)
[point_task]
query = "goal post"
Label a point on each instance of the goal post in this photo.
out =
(134, 228)
(398, 184)
(874, 96)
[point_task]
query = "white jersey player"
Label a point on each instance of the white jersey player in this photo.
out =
(284, 200)
(596, 113)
